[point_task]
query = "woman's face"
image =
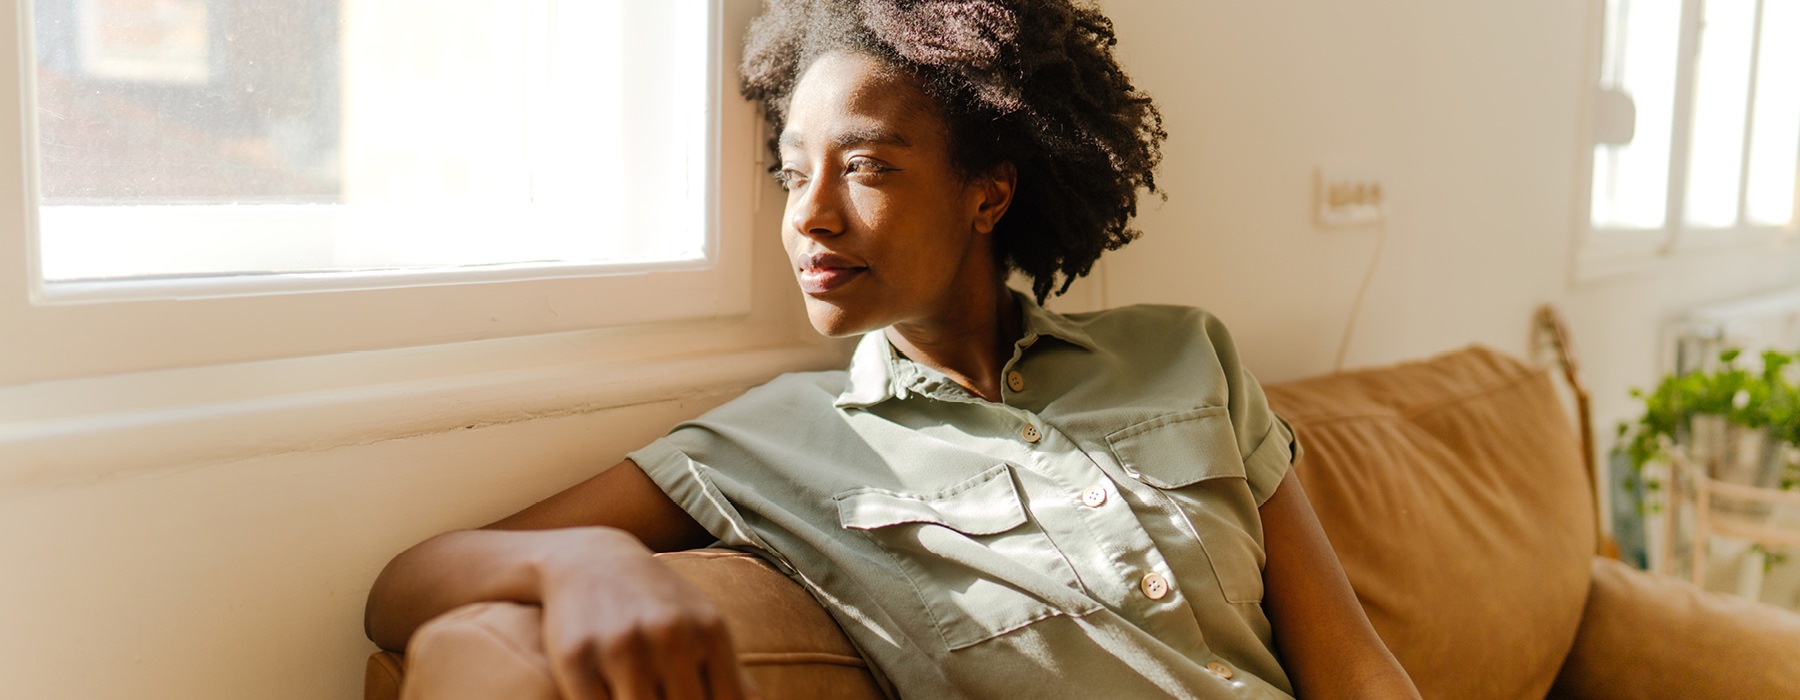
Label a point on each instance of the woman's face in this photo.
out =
(879, 226)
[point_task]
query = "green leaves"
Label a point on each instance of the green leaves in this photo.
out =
(1767, 398)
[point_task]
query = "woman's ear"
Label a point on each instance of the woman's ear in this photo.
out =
(994, 193)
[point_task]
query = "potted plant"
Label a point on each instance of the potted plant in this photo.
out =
(1740, 424)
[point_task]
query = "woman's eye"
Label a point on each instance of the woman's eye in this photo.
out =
(789, 178)
(866, 166)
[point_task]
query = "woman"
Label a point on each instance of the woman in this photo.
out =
(993, 499)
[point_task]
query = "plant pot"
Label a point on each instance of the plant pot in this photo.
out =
(1735, 454)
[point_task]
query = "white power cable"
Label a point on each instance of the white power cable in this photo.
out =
(1361, 291)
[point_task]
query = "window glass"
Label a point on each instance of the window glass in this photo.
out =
(1775, 152)
(1631, 180)
(1721, 102)
(217, 138)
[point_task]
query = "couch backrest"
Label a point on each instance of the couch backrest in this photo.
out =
(1454, 493)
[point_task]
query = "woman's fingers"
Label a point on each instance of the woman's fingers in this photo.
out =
(724, 677)
(630, 669)
(657, 654)
(575, 671)
(682, 679)
(703, 654)
(634, 630)
(683, 640)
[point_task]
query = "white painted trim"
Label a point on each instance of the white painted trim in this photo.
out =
(43, 342)
(1610, 253)
(1615, 258)
(72, 432)
(1691, 239)
(1603, 254)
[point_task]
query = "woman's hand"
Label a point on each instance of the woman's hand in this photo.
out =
(618, 624)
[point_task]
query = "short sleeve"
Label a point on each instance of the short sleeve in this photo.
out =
(1267, 443)
(747, 473)
(1271, 459)
(690, 484)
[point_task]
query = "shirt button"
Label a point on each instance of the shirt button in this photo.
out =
(1015, 381)
(1030, 433)
(1155, 586)
(1220, 670)
(1094, 496)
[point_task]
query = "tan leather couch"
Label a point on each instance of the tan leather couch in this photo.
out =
(1454, 492)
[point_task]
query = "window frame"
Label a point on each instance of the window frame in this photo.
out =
(1612, 251)
(77, 331)
(108, 413)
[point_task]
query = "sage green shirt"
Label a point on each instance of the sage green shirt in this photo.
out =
(1095, 534)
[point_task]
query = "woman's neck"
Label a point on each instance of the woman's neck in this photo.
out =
(971, 345)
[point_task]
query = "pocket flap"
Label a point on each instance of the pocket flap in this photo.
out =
(1178, 449)
(986, 504)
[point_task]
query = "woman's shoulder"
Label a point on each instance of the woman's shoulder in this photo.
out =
(1165, 344)
(1132, 325)
(789, 393)
(755, 427)
(1140, 313)
(795, 401)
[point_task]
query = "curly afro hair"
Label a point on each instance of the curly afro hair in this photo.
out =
(1027, 82)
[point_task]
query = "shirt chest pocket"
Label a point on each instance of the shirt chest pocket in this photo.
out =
(980, 565)
(1191, 459)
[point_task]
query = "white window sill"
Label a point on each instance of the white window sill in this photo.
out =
(1613, 254)
(98, 429)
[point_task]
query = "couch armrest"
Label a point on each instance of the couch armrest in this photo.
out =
(1649, 636)
(786, 642)
(381, 676)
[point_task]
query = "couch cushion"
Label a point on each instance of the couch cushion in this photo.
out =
(1647, 637)
(1454, 493)
(786, 643)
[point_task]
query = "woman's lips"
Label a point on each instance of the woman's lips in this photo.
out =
(821, 273)
(822, 280)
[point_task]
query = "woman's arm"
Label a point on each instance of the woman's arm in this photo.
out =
(1327, 645)
(615, 620)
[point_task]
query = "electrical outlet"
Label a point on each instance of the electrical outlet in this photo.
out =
(1343, 201)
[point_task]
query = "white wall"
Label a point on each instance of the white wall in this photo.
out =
(195, 565)
(1465, 111)
(1470, 115)
(244, 576)
(245, 579)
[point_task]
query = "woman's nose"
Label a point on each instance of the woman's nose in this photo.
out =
(816, 210)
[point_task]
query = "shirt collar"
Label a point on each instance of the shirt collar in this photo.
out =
(877, 369)
(1040, 321)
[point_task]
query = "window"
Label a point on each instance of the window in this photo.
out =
(215, 181)
(1696, 123)
(185, 138)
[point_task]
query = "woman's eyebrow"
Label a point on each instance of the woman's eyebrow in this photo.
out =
(851, 138)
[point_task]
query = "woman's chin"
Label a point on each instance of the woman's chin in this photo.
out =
(833, 321)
